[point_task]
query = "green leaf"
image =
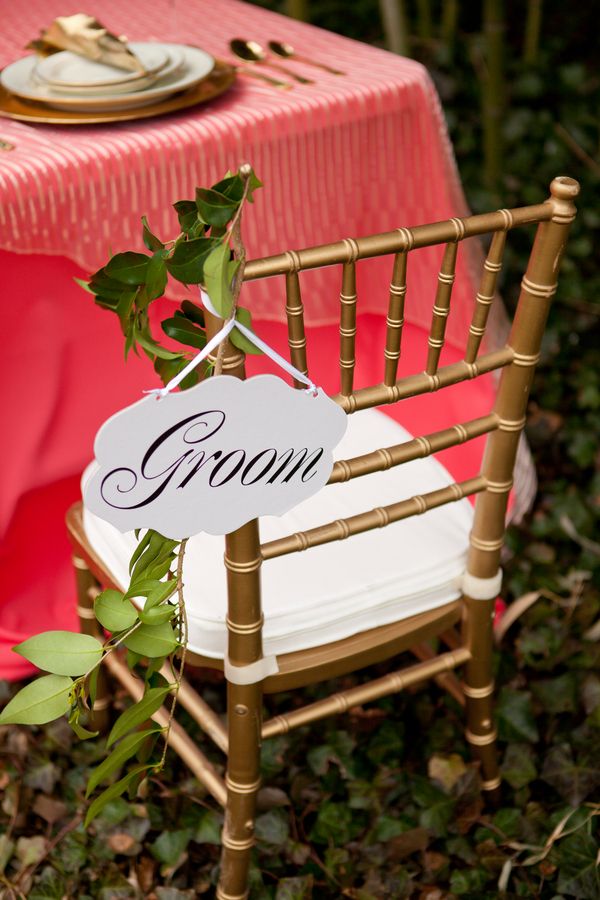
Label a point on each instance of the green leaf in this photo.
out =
(102, 283)
(156, 591)
(193, 312)
(333, 824)
(156, 615)
(232, 186)
(156, 276)
(573, 778)
(215, 208)
(61, 652)
(273, 827)
(168, 368)
(240, 340)
(119, 756)
(187, 262)
(152, 640)
(208, 830)
(130, 267)
(142, 544)
(43, 700)
(138, 713)
(518, 767)
(150, 240)
(187, 213)
(82, 733)
(145, 340)
(219, 270)
(84, 284)
(114, 611)
(157, 549)
(111, 793)
(515, 716)
(578, 874)
(169, 846)
(184, 331)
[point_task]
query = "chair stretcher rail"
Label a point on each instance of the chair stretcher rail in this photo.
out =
(365, 693)
(373, 518)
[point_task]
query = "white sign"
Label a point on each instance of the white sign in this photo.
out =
(213, 457)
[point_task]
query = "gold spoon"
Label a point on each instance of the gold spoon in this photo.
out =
(274, 82)
(252, 52)
(286, 51)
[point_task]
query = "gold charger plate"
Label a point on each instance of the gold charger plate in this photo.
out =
(220, 79)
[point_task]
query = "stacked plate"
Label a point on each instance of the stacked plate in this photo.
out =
(73, 83)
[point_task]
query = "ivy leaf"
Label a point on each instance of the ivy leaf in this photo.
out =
(184, 331)
(187, 262)
(215, 208)
(187, 213)
(61, 652)
(119, 756)
(111, 793)
(240, 340)
(156, 276)
(579, 875)
(573, 779)
(138, 713)
(150, 240)
(43, 700)
(130, 267)
(219, 270)
(152, 640)
(114, 611)
(515, 716)
(169, 846)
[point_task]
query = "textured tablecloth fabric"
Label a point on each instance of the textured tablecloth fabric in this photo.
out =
(346, 156)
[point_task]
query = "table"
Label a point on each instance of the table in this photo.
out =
(345, 156)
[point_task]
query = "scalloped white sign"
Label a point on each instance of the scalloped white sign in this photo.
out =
(213, 457)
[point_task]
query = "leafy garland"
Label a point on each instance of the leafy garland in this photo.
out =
(209, 251)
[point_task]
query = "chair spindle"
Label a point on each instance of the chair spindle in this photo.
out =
(441, 308)
(347, 328)
(294, 310)
(395, 319)
(485, 295)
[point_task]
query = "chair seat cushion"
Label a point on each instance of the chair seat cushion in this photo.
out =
(336, 590)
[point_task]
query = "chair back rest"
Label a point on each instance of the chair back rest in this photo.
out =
(517, 360)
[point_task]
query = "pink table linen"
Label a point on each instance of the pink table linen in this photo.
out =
(345, 156)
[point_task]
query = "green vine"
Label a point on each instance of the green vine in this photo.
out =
(208, 251)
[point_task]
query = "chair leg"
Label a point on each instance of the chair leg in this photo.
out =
(244, 713)
(478, 687)
(86, 591)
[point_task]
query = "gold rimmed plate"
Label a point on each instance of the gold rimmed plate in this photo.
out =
(220, 79)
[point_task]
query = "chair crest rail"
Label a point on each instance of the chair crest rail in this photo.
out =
(401, 240)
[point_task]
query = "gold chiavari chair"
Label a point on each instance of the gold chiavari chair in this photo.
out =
(246, 677)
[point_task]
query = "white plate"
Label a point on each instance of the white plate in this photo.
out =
(18, 79)
(173, 62)
(69, 70)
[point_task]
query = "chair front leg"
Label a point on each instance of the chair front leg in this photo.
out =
(478, 687)
(244, 714)
(87, 590)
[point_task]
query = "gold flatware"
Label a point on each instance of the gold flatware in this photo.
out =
(275, 82)
(6, 145)
(252, 52)
(286, 51)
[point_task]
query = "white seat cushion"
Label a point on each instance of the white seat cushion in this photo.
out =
(335, 590)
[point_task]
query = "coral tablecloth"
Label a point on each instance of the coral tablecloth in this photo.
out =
(345, 156)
